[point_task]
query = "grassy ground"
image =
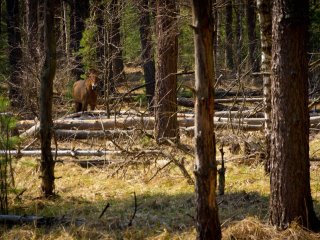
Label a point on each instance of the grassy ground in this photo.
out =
(165, 204)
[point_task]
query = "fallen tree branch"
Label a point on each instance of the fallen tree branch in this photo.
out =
(38, 221)
(75, 153)
(135, 210)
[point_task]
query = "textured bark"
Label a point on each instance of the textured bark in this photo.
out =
(147, 51)
(264, 12)
(15, 54)
(290, 197)
(115, 46)
(46, 92)
(207, 219)
(166, 67)
(79, 11)
(32, 29)
(239, 35)
(252, 37)
(229, 35)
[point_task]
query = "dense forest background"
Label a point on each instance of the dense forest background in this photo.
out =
(184, 140)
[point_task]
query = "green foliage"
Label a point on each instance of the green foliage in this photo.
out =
(130, 33)
(315, 27)
(88, 45)
(186, 48)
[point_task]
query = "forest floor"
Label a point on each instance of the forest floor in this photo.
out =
(148, 196)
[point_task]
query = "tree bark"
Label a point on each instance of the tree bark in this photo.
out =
(229, 36)
(239, 36)
(146, 46)
(79, 11)
(264, 12)
(207, 219)
(290, 197)
(115, 46)
(252, 37)
(46, 92)
(15, 54)
(166, 125)
(32, 29)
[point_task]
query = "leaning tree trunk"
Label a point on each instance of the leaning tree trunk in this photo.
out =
(15, 54)
(46, 92)
(207, 219)
(166, 125)
(290, 197)
(264, 11)
(146, 46)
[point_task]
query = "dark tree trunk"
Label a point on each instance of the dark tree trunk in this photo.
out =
(229, 36)
(252, 37)
(290, 197)
(101, 42)
(115, 46)
(32, 29)
(79, 11)
(15, 54)
(264, 11)
(146, 46)
(166, 124)
(46, 91)
(207, 219)
(239, 35)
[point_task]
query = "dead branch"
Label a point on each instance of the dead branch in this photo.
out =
(104, 210)
(135, 209)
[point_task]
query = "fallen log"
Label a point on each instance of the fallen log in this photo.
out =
(145, 123)
(85, 134)
(38, 221)
(74, 153)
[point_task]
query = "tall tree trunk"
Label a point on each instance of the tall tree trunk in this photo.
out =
(79, 12)
(115, 41)
(166, 124)
(239, 36)
(229, 36)
(207, 219)
(290, 198)
(101, 42)
(32, 29)
(252, 37)
(264, 12)
(15, 54)
(146, 46)
(46, 92)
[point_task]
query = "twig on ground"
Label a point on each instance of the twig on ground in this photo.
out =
(135, 210)
(104, 210)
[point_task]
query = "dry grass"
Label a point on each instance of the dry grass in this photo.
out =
(165, 204)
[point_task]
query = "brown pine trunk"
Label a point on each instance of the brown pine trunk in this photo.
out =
(32, 29)
(115, 46)
(166, 68)
(15, 54)
(207, 219)
(229, 36)
(46, 92)
(252, 38)
(239, 36)
(290, 198)
(264, 11)
(79, 11)
(146, 46)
